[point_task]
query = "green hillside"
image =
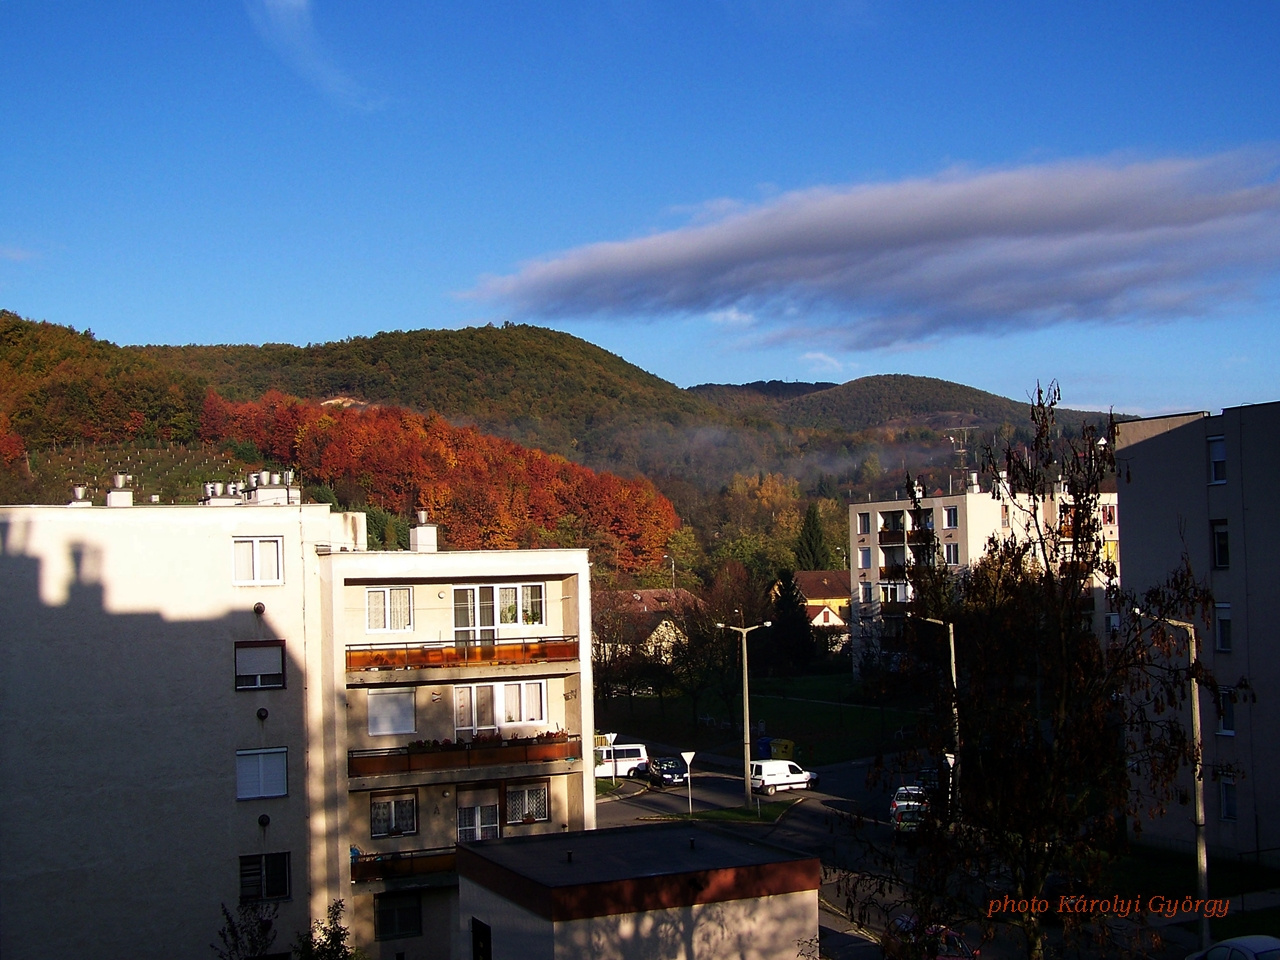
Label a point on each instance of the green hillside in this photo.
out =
(536, 386)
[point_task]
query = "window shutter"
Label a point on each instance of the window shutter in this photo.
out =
(248, 776)
(391, 712)
(275, 774)
(257, 661)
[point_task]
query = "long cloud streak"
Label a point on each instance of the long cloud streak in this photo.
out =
(287, 26)
(960, 252)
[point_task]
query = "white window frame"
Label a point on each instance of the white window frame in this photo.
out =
(481, 822)
(950, 518)
(255, 578)
(866, 593)
(262, 773)
(481, 611)
(518, 802)
(256, 681)
(864, 558)
(532, 704)
(1222, 614)
(392, 723)
(257, 864)
(1228, 799)
(1226, 712)
(951, 554)
(380, 597)
(864, 524)
(1217, 465)
(395, 816)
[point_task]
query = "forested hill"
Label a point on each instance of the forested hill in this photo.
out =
(876, 401)
(536, 386)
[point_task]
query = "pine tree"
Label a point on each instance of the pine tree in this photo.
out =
(812, 550)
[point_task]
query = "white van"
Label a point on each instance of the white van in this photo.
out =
(770, 776)
(627, 755)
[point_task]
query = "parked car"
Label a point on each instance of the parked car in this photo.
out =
(770, 776)
(1257, 947)
(909, 794)
(667, 772)
(907, 816)
(904, 939)
(620, 760)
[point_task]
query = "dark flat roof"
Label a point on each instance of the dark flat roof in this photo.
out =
(627, 853)
(629, 869)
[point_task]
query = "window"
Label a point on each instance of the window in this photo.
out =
(1222, 627)
(262, 773)
(1221, 545)
(1217, 460)
(478, 823)
(864, 592)
(390, 609)
(952, 553)
(1227, 798)
(1111, 623)
(393, 816)
(481, 940)
(527, 803)
(1226, 711)
(864, 558)
(864, 523)
(259, 664)
(481, 709)
(264, 876)
(479, 611)
(1108, 514)
(257, 560)
(1004, 514)
(888, 593)
(951, 518)
(397, 915)
(390, 712)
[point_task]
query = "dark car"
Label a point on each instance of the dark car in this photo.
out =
(666, 772)
(1258, 947)
(905, 938)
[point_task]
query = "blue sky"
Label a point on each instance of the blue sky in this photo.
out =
(992, 193)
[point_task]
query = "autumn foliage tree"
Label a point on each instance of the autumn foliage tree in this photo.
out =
(486, 492)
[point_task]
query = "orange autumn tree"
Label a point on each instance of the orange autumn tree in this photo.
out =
(484, 491)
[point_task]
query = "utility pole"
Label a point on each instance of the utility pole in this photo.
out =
(746, 706)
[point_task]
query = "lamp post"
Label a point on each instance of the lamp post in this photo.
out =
(1202, 853)
(667, 556)
(613, 755)
(746, 706)
(954, 793)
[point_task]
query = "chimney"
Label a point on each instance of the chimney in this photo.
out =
(120, 495)
(78, 496)
(973, 481)
(422, 538)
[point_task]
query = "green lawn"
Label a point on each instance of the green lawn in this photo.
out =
(823, 732)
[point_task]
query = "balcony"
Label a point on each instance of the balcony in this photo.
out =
(894, 571)
(893, 536)
(406, 863)
(460, 756)
(420, 656)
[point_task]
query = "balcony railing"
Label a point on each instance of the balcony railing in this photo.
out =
(404, 656)
(894, 571)
(404, 863)
(893, 536)
(381, 763)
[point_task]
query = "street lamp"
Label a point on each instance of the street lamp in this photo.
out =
(688, 756)
(954, 792)
(746, 705)
(667, 556)
(1202, 853)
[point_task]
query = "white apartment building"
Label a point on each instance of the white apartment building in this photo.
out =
(886, 537)
(237, 702)
(1198, 485)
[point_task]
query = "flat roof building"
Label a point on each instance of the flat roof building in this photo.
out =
(674, 890)
(237, 703)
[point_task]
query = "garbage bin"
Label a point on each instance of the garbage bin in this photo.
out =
(782, 749)
(764, 749)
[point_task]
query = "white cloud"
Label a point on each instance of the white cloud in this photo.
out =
(288, 28)
(961, 252)
(822, 362)
(731, 317)
(16, 254)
